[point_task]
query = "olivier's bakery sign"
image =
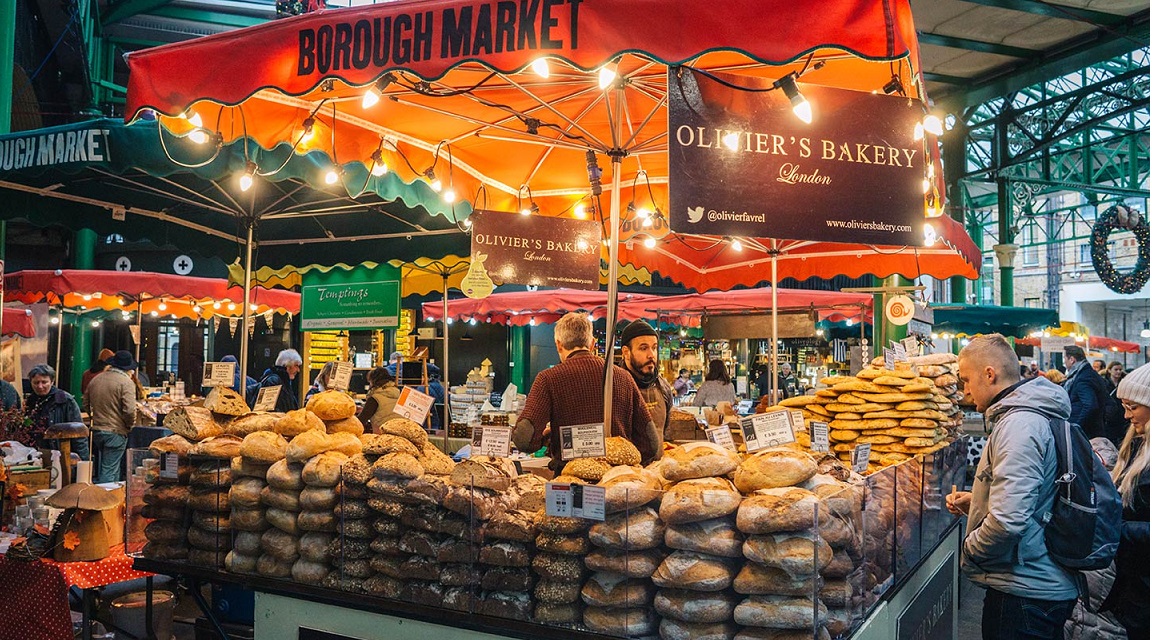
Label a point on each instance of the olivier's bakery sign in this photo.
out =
(537, 250)
(742, 164)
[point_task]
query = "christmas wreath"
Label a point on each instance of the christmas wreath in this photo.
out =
(1120, 218)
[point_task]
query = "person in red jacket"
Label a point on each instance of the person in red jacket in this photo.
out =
(572, 393)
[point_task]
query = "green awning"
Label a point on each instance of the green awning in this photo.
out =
(974, 319)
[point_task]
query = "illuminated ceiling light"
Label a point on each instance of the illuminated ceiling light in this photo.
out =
(737, 245)
(820, 332)
(683, 333)
(95, 323)
(468, 221)
(540, 66)
(198, 136)
(247, 178)
(933, 125)
(309, 125)
(580, 211)
(162, 306)
(372, 95)
(231, 306)
(800, 105)
(430, 174)
(606, 75)
(379, 167)
(333, 175)
(964, 342)
(154, 314)
(935, 336)
(54, 320)
(194, 118)
(87, 297)
(731, 140)
(449, 320)
(216, 305)
(253, 307)
(929, 235)
(197, 308)
(472, 321)
(449, 195)
(848, 322)
(530, 209)
(650, 242)
(643, 212)
(532, 322)
(122, 302)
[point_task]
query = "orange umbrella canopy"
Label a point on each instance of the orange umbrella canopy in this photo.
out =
(516, 111)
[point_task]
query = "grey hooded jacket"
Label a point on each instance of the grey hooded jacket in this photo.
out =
(1015, 484)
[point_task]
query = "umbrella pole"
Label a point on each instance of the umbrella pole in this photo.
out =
(247, 308)
(613, 266)
(139, 326)
(772, 379)
(444, 370)
(59, 339)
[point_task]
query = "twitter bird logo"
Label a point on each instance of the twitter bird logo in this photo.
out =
(695, 214)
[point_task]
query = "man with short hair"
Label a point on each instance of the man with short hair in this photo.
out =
(111, 401)
(787, 382)
(572, 393)
(1028, 594)
(1087, 391)
(640, 350)
(1098, 366)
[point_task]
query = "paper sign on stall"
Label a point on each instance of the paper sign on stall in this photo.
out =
(219, 374)
(797, 417)
(574, 501)
(342, 376)
(266, 398)
(582, 441)
(900, 354)
(819, 435)
(493, 441)
(414, 405)
(890, 359)
(722, 436)
(135, 331)
(765, 430)
(170, 466)
(860, 457)
(911, 346)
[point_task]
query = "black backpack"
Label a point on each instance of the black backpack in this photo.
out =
(1082, 529)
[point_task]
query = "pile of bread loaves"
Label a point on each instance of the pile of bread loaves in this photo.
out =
(706, 543)
(901, 412)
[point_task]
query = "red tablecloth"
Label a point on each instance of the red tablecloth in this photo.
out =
(117, 567)
(33, 602)
(34, 595)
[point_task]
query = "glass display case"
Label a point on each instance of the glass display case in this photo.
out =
(677, 560)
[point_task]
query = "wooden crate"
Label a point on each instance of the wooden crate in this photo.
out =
(33, 480)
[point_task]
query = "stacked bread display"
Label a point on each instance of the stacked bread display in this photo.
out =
(210, 533)
(166, 503)
(258, 452)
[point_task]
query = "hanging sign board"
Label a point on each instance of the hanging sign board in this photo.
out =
(1056, 343)
(899, 309)
(536, 250)
(582, 441)
(219, 374)
(342, 375)
(413, 405)
(266, 398)
(742, 164)
(361, 298)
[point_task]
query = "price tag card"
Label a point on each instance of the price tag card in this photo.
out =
(219, 374)
(911, 346)
(574, 500)
(342, 376)
(860, 457)
(819, 436)
(266, 398)
(797, 417)
(414, 405)
(900, 354)
(765, 430)
(495, 441)
(170, 466)
(890, 359)
(582, 441)
(722, 436)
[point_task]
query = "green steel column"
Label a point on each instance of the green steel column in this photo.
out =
(953, 158)
(518, 357)
(1004, 255)
(83, 257)
(878, 320)
(7, 60)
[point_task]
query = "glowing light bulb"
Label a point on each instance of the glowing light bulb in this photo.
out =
(935, 336)
(370, 98)
(449, 320)
(154, 314)
(197, 309)
(216, 305)
(450, 195)
(195, 118)
(683, 333)
(532, 322)
(252, 307)
(437, 186)
(198, 136)
(162, 306)
(87, 297)
(964, 342)
(650, 242)
(231, 306)
(933, 125)
(122, 302)
(606, 75)
(929, 235)
(540, 66)
(472, 321)
(643, 213)
(331, 177)
(580, 211)
(379, 169)
(95, 323)
(737, 245)
(803, 110)
(820, 332)
(731, 140)
(525, 211)
(54, 320)
(582, 245)
(245, 182)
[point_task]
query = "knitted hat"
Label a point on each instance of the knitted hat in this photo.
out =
(635, 329)
(1134, 386)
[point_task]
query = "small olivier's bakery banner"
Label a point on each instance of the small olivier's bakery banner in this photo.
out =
(536, 250)
(742, 164)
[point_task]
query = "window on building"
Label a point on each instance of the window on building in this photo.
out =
(1028, 243)
(1032, 303)
(1085, 252)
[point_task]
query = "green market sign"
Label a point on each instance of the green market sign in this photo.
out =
(360, 299)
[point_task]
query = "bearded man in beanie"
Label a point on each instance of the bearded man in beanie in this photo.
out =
(638, 346)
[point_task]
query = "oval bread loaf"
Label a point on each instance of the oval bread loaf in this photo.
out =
(332, 405)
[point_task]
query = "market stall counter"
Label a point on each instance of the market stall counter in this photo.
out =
(387, 525)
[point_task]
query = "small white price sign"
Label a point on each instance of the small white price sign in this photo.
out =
(890, 359)
(266, 398)
(860, 457)
(342, 376)
(911, 346)
(797, 417)
(819, 436)
(582, 441)
(495, 441)
(765, 430)
(169, 466)
(219, 374)
(414, 405)
(574, 500)
(722, 436)
(899, 352)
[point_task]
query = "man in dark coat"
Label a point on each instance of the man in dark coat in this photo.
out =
(1087, 391)
(48, 405)
(287, 367)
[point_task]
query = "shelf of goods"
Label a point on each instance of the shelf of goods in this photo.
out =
(405, 343)
(706, 542)
(322, 347)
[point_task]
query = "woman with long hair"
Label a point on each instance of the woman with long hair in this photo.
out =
(717, 386)
(1128, 600)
